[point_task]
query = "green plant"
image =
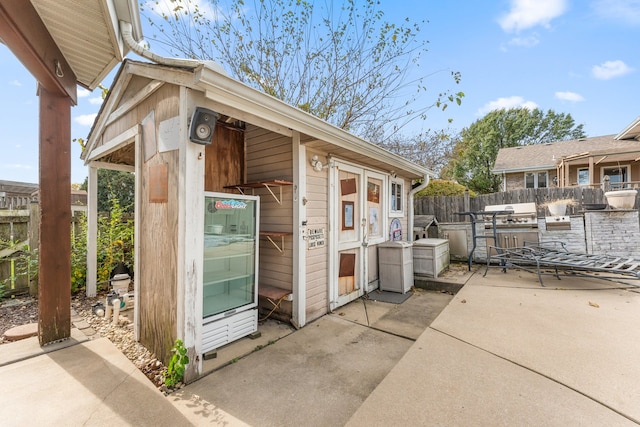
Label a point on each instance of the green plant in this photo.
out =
(79, 253)
(177, 364)
(115, 240)
(439, 187)
(114, 245)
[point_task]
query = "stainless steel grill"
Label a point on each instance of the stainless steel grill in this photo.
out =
(518, 215)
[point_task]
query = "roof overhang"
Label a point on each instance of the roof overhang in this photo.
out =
(235, 99)
(64, 43)
(223, 89)
(527, 169)
(630, 132)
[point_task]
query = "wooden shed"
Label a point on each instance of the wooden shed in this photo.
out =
(198, 141)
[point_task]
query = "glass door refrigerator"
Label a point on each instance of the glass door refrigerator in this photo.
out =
(230, 275)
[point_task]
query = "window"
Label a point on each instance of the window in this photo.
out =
(617, 175)
(396, 198)
(583, 176)
(536, 179)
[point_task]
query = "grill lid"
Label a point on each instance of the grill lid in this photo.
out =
(520, 215)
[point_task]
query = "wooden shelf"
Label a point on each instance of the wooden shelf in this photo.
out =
(269, 185)
(270, 235)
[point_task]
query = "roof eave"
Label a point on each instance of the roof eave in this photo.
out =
(277, 111)
(632, 131)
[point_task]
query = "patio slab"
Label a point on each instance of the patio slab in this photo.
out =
(507, 351)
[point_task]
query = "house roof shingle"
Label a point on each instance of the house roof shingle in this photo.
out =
(545, 156)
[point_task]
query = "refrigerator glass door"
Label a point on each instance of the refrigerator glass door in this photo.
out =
(229, 254)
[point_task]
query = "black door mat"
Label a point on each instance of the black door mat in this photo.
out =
(390, 297)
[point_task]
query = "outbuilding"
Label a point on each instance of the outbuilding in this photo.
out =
(312, 202)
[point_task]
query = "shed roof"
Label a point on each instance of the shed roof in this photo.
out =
(546, 156)
(234, 98)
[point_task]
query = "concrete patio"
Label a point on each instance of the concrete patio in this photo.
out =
(502, 351)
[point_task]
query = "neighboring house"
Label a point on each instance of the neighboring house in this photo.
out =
(16, 195)
(327, 199)
(581, 162)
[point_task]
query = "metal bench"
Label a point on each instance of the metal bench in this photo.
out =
(536, 258)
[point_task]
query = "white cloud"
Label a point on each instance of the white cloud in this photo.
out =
(85, 119)
(529, 41)
(15, 83)
(610, 69)
(96, 100)
(506, 103)
(569, 96)
(526, 14)
(83, 93)
(17, 166)
(618, 10)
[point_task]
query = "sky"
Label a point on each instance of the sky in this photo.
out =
(578, 57)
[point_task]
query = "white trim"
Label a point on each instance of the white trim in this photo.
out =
(114, 166)
(536, 173)
(236, 94)
(136, 235)
(299, 318)
(397, 213)
(352, 245)
(627, 167)
(129, 104)
(92, 232)
(578, 176)
(190, 240)
(114, 144)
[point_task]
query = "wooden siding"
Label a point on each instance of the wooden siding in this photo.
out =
(158, 227)
(270, 156)
(318, 281)
(224, 159)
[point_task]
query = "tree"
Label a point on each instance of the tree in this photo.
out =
(114, 184)
(344, 64)
(475, 154)
(431, 149)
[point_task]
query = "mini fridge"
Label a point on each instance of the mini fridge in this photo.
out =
(230, 268)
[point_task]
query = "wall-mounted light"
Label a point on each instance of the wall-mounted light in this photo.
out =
(317, 164)
(203, 123)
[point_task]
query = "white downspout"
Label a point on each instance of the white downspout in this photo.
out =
(410, 207)
(127, 34)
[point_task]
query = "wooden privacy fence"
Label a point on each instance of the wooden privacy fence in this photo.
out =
(444, 208)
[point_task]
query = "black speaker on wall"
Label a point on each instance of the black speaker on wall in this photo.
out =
(202, 126)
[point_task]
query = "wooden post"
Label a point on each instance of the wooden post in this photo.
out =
(54, 278)
(34, 240)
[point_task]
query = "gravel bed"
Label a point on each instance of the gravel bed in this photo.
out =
(22, 310)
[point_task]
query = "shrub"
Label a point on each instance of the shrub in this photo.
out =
(440, 187)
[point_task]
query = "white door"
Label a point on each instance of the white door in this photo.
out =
(347, 232)
(358, 221)
(374, 201)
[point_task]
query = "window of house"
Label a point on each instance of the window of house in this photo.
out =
(396, 198)
(536, 179)
(618, 175)
(583, 176)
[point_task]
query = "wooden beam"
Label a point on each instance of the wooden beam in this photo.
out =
(24, 33)
(54, 275)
